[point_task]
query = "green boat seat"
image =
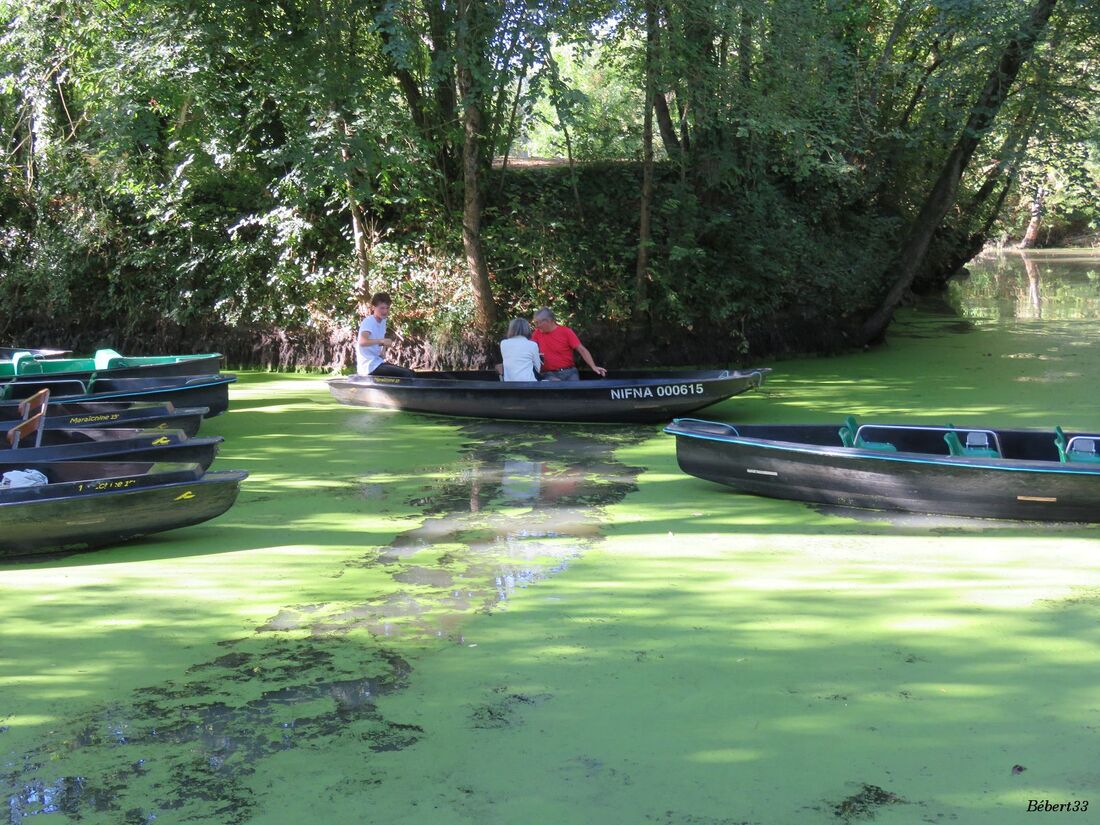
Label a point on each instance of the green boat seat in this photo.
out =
(104, 357)
(1084, 449)
(977, 445)
(848, 432)
(26, 364)
(850, 437)
(1060, 441)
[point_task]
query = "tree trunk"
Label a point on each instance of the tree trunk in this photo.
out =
(939, 200)
(1036, 209)
(469, 50)
(666, 126)
(744, 47)
(641, 275)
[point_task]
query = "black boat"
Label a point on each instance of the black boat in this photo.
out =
(114, 445)
(623, 396)
(90, 504)
(117, 414)
(961, 471)
(210, 391)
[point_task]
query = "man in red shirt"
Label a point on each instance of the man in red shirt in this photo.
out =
(557, 345)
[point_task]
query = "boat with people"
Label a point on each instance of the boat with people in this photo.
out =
(26, 365)
(87, 504)
(985, 472)
(626, 396)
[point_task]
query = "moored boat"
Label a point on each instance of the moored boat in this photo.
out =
(623, 396)
(114, 444)
(106, 363)
(963, 471)
(118, 414)
(91, 504)
(210, 391)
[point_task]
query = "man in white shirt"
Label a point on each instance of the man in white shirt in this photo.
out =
(372, 340)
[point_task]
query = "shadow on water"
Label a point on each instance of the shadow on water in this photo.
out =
(522, 501)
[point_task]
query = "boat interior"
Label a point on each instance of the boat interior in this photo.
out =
(148, 472)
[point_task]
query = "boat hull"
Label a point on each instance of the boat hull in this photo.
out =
(98, 517)
(625, 398)
(116, 445)
(849, 477)
(210, 391)
(141, 416)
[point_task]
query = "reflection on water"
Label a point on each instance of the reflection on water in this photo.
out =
(520, 504)
(1047, 284)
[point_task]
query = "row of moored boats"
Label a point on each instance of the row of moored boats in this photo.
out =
(102, 449)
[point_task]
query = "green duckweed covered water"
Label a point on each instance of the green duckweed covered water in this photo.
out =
(411, 620)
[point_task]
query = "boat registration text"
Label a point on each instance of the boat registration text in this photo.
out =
(660, 391)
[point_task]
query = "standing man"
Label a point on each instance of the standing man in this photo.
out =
(557, 345)
(372, 339)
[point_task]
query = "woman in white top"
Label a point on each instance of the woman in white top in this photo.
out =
(521, 355)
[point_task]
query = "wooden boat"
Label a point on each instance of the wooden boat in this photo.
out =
(962, 471)
(91, 504)
(623, 396)
(106, 363)
(107, 445)
(210, 391)
(123, 414)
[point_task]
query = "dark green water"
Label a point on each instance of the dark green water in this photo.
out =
(413, 620)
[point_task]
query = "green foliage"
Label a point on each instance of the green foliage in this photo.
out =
(178, 170)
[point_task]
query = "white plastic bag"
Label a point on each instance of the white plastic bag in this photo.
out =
(23, 478)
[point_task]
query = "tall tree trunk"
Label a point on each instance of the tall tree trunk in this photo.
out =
(744, 47)
(358, 229)
(470, 49)
(555, 95)
(940, 199)
(666, 126)
(1036, 209)
(641, 275)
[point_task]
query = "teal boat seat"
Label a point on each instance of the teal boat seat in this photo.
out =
(977, 445)
(850, 437)
(104, 357)
(848, 432)
(1060, 441)
(25, 363)
(1083, 448)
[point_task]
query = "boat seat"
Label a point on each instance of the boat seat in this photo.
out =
(105, 357)
(1083, 448)
(25, 429)
(978, 445)
(24, 363)
(852, 436)
(1060, 442)
(38, 402)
